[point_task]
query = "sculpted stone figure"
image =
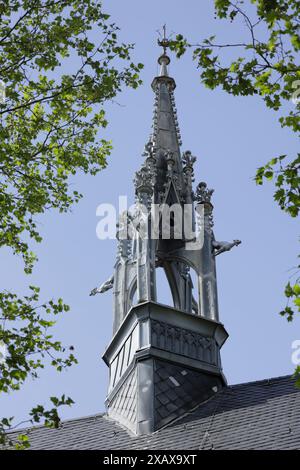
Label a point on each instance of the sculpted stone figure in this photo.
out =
(220, 247)
(104, 287)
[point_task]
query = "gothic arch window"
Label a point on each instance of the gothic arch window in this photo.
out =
(132, 300)
(163, 289)
(195, 291)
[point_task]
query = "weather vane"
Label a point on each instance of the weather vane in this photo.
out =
(164, 42)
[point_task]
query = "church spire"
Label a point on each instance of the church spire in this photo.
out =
(165, 359)
(166, 137)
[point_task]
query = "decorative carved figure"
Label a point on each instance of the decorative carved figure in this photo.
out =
(104, 287)
(220, 247)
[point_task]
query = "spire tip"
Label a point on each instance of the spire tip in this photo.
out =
(164, 59)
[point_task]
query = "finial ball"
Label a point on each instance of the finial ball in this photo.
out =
(164, 59)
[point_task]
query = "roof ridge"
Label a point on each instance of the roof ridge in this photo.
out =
(271, 379)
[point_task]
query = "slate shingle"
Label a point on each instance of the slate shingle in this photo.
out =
(256, 415)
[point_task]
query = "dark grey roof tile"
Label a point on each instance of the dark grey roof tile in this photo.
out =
(256, 415)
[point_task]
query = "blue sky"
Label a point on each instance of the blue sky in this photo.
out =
(231, 137)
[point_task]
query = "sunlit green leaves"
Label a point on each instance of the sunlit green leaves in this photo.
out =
(50, 123)
(292, 292)
(287, 182)
(222, 7)
(28, 339)
(57, 80)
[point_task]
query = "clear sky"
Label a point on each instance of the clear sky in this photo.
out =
(231, 137)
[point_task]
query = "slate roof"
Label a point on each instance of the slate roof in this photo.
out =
(255, 415)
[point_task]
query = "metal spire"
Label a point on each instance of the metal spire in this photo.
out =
(155, 346)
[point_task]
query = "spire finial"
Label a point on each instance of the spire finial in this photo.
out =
(164, 59)
(164, 42)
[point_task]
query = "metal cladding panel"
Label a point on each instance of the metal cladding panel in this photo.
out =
(123, 407)
(123, 358)
(145, 400)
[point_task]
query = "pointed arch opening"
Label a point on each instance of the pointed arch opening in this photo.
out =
(133, 298)
(163, 289)
(194, 279)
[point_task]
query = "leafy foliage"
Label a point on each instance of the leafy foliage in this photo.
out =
(21, 441)
(297, 376)
(268, 67)
(57, 81)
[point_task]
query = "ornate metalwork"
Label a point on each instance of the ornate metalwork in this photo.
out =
(203, 194)
(220, 247)
(163, 360)
(183, 342)
(188, 159)
(143, 180)
(104, 287)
